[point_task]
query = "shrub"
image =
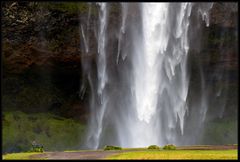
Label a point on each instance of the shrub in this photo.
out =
(153, 147)
(112, 148)
(169, 147)
(37, 147)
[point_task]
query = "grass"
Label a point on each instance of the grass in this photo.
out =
(53, 132)
(18, 156)
(177, 154)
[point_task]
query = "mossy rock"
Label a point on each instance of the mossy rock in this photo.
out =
(153, 147)
(169, 147)
(112, 148)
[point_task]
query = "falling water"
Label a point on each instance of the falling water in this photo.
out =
(160, 73)
(122, 29)
(149, 103)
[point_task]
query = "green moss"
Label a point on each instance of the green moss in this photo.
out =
(46, 129)
(70, 7)
(220, 131)
(154, 147)
(169, 147)
(112, 148)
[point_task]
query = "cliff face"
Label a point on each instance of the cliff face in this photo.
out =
(219, 58)
(213, 59)
(41, 50)
(33, 35)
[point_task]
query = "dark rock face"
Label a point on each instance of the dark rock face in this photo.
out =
(40, 48)
(220, 59)
(34, 35)
(224, 14)
(213, 60)
(42, 40)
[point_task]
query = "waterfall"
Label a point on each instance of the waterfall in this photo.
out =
(97, 117)
(147, 103)
(160, 72)
(122, 29)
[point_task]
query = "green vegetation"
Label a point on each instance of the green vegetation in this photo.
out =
(37, 148)
(18, 156)
(71, 7)
(30, 92)
(53, 132)
(112, 148)
(177, 154)
(169, 147)
(220, 131)
(153, 147)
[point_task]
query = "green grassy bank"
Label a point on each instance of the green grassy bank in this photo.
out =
(18, 156)
(54, 133)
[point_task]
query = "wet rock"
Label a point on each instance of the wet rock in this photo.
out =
(224, 14)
